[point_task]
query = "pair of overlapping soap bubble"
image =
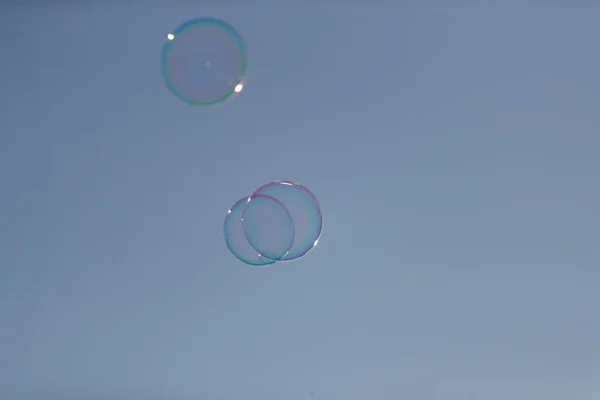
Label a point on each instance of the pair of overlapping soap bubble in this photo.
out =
(280, 221)
(204, 61)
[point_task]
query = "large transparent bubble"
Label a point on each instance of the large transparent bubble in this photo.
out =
(204, 61)
(305, 212)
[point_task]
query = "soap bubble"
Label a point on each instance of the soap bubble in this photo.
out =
(304, 210)
(204, 61)
(269, 225)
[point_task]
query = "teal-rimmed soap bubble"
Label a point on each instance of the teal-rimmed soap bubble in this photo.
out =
(305, 213)
(204, 61)
(269, 226)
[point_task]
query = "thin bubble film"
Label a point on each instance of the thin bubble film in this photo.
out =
(268, 226)
(235, 238)
(203, 61)
(305, 213)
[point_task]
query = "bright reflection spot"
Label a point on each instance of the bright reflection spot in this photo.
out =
(170, 36)
(238, 88)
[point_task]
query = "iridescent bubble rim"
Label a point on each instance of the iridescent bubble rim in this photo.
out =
(286, 236)
(313, 198)
(246, 254)
(198, 22)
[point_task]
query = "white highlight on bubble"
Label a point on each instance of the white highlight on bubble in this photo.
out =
(170, 36)
(238, 88)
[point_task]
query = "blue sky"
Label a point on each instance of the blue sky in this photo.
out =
(453, 149)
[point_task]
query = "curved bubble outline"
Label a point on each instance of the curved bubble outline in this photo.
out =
(264, 260)
(287, 213)
(205, 21)
(316, 201)
(228, 243)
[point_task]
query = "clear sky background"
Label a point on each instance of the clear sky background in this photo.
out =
(453, 148)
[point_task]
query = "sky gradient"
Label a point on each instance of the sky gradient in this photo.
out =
(453, 149)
